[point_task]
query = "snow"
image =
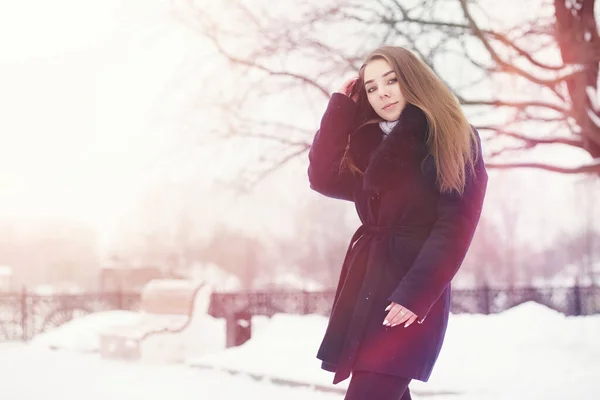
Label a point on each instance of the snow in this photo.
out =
(83, 333)
(527, 352)
(279, 351)
(483, 357)
(29, 373)
(219, 279)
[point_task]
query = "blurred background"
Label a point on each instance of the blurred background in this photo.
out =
(148, 145)
(172, 135)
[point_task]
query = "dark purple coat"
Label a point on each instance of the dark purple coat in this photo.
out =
(410, 245)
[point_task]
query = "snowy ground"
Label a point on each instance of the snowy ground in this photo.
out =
(528, 352)
(32, 373)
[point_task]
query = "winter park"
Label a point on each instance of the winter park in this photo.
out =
(176, 220)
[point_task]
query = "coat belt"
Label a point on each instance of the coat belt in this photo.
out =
(373, 230)
(358, 322)
(370, 230)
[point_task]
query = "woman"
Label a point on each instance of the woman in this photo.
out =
(395, 142)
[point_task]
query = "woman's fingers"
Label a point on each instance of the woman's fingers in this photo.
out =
(399, 315)
(402, 318)
(389, 315)
(410, 321)
(350, 84)
(347, 86)
(394, 315)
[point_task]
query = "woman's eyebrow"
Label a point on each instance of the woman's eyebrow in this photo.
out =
(384, 75)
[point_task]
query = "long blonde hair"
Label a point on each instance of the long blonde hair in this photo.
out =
(451, 141)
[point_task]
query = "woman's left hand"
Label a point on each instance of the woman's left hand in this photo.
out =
(399, 315)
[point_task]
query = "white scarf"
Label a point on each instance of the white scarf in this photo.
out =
(387, 126)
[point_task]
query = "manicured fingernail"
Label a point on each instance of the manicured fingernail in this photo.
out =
(406, 325)
(385, 322)
(388, 307)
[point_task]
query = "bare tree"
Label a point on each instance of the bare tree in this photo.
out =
(237, 253)
(499, 252)
(49, 250)
(586, 244)
(320, 240)
(303, 50)
(486, 256)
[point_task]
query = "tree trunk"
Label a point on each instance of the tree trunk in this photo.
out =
(577, 37)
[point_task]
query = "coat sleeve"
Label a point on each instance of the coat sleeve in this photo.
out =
(328, 148)
(444, 250)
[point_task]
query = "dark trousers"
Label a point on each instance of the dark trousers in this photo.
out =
(366, 385)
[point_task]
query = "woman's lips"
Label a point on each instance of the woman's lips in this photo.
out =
(389, 105)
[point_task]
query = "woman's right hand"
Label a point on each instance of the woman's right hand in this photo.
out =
(347, 87)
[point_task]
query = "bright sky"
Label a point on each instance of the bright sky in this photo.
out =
(87, 90)
(80, 81)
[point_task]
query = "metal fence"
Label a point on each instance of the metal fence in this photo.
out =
(576, 300)
(24, 315)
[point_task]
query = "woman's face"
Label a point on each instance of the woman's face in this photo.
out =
(383, 90)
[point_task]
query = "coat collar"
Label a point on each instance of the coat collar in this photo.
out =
(385, 158)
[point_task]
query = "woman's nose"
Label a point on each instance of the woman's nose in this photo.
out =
(384, 94)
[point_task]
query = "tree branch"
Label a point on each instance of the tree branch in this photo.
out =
(515, 104)
(251, 184)
(531, 141)
(272, 45)
(593, 167)
(252, 64)
(505, 150)
(480, 34)
(495, 35)
(274, 138)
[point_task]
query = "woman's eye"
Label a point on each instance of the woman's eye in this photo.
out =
(393, 80)
(370, 90)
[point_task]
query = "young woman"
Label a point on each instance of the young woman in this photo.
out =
(395, 142)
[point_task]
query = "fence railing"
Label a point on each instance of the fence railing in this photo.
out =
(576, 300)
(24, 315)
